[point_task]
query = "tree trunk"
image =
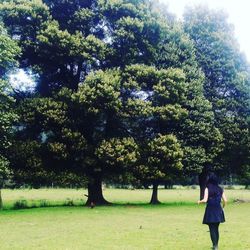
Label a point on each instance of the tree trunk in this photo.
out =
(95, 195)
(154, 198)
(1, 200)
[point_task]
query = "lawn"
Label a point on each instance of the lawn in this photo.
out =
(175, 224)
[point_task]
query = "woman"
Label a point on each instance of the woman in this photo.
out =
(214, 213)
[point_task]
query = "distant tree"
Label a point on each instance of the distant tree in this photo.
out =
(162, 161)
(172, 103)
(245, 176)
(227, 83)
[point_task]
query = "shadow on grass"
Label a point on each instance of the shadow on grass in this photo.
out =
(148, 205)
(24, 204)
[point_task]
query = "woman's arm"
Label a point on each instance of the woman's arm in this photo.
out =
(204, 200)
(224, 199)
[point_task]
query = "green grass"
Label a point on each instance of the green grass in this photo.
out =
(59, 197)
(176, 224)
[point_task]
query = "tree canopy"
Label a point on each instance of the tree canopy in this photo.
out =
(227, 82)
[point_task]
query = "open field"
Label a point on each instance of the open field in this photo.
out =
(176, 224)
(59, 196)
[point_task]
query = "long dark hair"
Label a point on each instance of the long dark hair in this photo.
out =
(213, 185)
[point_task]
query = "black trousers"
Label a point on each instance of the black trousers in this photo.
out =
(214, 233)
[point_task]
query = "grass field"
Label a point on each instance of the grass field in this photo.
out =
(175, 224)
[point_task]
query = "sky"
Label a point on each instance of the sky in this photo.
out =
(22, 81)
(238, 15)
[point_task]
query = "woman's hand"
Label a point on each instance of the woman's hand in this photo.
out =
(224, 199)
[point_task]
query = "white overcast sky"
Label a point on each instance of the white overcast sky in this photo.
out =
(238, 12)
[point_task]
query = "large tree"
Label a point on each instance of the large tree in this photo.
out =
(172, 102)
(227, 82)
(199, 134)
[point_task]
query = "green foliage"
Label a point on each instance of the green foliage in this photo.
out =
(7, 115)
(245, 175)
(8, 53)
(118, 153)
(26, 156)
(45, 112)
(28, 16)
(165, 150)
(133, 30)
(74, 15)
(23, 19)
(5, 171)
(168, 107)
(161, 159)
(226, 83)
(100, 92)
(66, 48)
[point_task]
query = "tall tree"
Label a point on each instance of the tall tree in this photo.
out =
(171, 103)
(67, 132)
(226, 82)
(200, 137)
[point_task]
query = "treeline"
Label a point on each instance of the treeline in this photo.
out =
(124, 92)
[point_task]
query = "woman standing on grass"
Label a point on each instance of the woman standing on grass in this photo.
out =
(214, 214)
